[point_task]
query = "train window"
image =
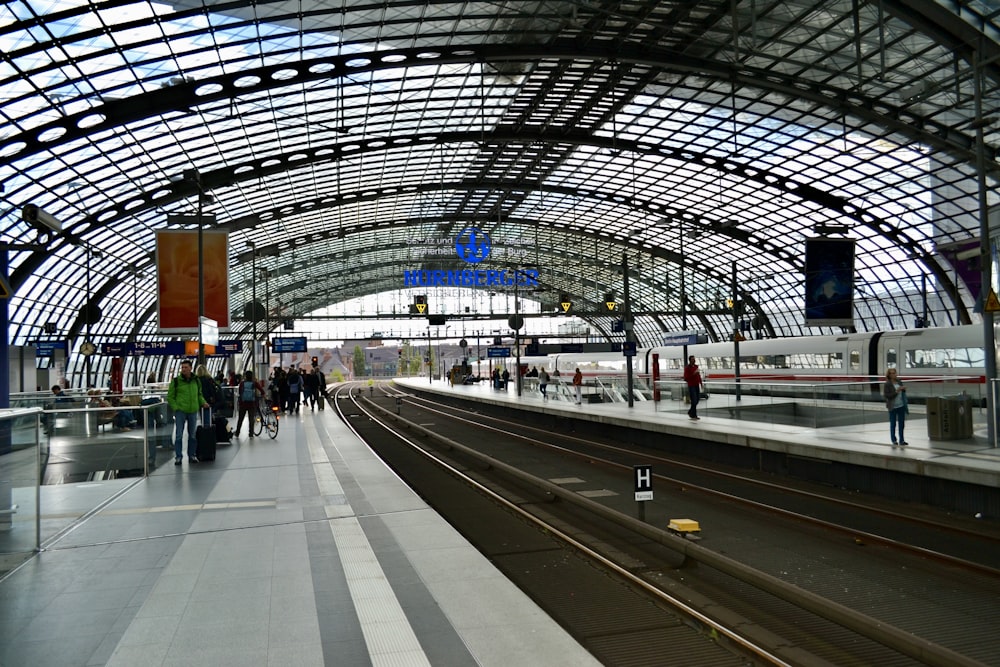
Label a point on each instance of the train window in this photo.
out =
(890, 357)
(855, 360)
(962, 357)
(811, 360)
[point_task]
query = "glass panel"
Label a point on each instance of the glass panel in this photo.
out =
(19, 538)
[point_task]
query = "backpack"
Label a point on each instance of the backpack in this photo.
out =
(293, 387)
(247, 395)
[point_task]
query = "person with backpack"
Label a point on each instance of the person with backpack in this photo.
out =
(248, 391)
(294, 390)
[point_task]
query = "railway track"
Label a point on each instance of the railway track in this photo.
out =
(940, 536)
(787, 609)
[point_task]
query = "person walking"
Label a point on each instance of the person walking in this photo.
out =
(694, 382)
(578, 386)
(895, 402)
(321, 382)
(543, 383)
(310, 383)
(294, 390)
(185, 399)
(248, 392)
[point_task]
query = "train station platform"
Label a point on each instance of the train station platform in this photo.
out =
(304, 550)
(861, 443)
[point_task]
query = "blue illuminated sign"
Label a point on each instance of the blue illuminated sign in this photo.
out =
(498, 352)
(471, 278)
(472, 245)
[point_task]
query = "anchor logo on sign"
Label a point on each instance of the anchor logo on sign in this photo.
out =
(473, 245)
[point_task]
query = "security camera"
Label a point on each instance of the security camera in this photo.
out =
(35, 215)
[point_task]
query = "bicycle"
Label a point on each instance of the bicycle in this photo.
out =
(266, 418)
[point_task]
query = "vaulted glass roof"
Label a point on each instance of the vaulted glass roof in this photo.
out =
(701, 143)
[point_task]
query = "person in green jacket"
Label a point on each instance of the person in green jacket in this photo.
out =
(185, 399)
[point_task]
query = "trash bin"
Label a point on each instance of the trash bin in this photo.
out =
(949, 417)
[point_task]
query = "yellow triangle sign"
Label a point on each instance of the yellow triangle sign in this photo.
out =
(992, 302)
(4, 288)
(610, 305)
(421, 307)
(566, 305)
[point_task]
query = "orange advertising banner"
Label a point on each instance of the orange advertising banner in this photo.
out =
(177, 279)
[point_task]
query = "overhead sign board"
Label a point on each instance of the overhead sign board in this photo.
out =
(47, 348)
(176, 348)
(283, 345)
(498, 352)
(683, 338)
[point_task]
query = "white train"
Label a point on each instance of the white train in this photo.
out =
(953, 355)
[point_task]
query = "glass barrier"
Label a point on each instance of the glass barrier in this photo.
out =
(61, 457)
(19, 500)
(823, 404)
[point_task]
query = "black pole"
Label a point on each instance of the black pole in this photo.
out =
(194, 176)
(517, 342)
(736, 335)
(684, 315)
(89, 311)
(629, 334)
(254, 362)
(267, 317)
(135, 323)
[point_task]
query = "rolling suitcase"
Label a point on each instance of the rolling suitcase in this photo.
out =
(205, 436)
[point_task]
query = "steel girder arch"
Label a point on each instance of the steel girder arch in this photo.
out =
(692, 219)
(178, 191)
(175, 192)
(188, 95)
(282, 248)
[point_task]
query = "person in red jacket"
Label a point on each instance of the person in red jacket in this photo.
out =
(692, 378)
